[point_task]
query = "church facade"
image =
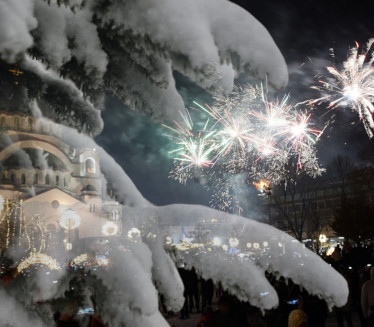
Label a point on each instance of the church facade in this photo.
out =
(57, 187)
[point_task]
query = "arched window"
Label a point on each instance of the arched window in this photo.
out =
(57, 180)
(115, 214)
(16, 123)
(2, 122)
(47, 179)
(35, 181)
(12, 178)
(90, 166)
(23, 179)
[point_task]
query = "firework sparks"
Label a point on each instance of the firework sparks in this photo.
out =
(352, 85)
(234, 132)
(265, 145)
(274, 114)
(197, 153)
(244, 134)
(299, 133)
(195, 148)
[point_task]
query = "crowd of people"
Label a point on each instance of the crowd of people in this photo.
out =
(296, 308)
(217, 308)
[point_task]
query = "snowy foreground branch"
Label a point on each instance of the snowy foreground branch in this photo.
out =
(128, 295)
(131, 48)
(243, 277)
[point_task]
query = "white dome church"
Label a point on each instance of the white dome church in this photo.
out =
(56, 187)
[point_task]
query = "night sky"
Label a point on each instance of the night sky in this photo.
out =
(304, 32)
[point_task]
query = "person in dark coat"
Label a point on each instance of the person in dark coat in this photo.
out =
(207, 291)
(184, 276)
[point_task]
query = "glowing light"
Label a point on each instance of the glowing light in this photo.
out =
(262, 185)
(38, 258)
(184, 246)
(265, 244)
(234, 242)
(110, 228)
(70, 220)
(249, 245)
(68, 246)
(322, 238)
(330, 250)
(102, 261)
(216, 241)
(80, 259)
(256, 245)
(168, 240)
(134, 233)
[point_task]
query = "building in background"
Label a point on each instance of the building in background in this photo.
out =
(52, 192)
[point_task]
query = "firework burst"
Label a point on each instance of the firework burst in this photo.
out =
(233, 132)
(352, 85)
(299, 134)
(246, 135)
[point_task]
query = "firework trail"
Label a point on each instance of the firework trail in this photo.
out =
(352, 86)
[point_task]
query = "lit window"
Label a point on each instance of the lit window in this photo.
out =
(115, 214)
(90, 166)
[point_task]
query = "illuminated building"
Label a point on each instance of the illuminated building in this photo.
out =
(52, 180)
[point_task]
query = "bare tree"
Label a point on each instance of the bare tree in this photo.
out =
(338, 174)
(294, 203)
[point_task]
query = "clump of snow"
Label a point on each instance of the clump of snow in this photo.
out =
(283, 255)
(83, 107)
(131, 48)
(241, 270)
(16, 21)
